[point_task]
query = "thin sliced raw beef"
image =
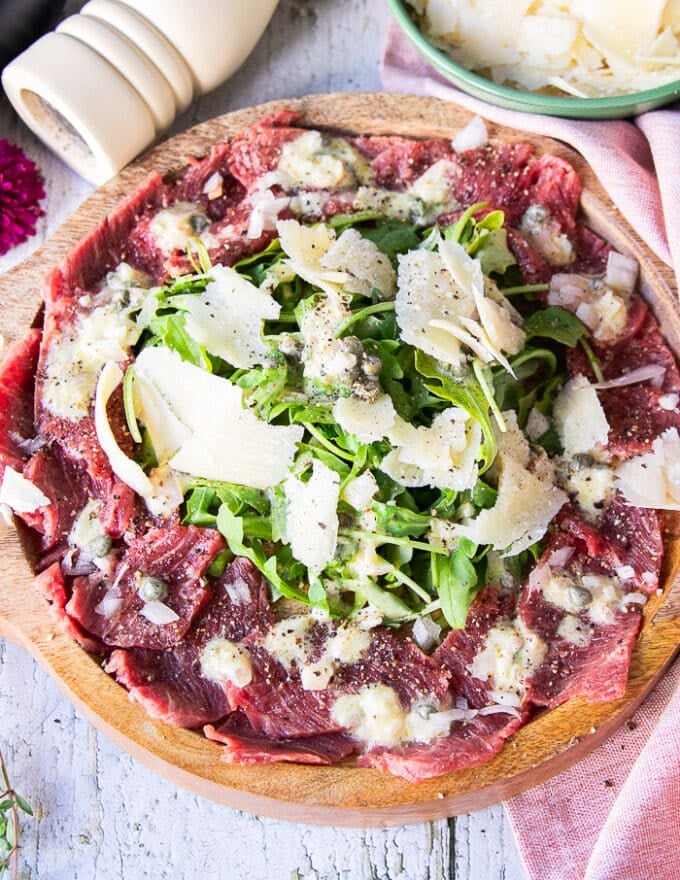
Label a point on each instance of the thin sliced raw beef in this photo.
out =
(535, 268)
(50, 583)
(179, 556)
(477, 739)
(469, 744)
(67, 486)
(17, 379)
(277, 706)
(597, 671)
(257, 150)
(169, 683)
(209, 183)
(640, 412)
(109, 243)
(635, 533)
(491, 606)
(244, 746)
(397, 162)
(594, 663)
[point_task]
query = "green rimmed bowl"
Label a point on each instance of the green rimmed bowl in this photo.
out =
(480, 87)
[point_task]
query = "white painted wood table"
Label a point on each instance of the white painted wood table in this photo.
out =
(100, 815)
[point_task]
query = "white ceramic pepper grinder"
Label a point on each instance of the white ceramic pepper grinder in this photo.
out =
(107, 81)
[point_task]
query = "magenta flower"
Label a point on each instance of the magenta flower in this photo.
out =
(21, 188)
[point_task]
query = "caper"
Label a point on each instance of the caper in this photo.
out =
(97, 547)
(152, 589)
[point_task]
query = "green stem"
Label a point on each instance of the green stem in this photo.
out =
(524, 288)
(359, 315)
(392, 539)
(592, 359)
(406, 581)
(326, 443)
(478, 370)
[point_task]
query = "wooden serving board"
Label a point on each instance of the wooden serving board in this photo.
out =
(343, 794)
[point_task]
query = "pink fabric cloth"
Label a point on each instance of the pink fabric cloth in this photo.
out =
(616, 814)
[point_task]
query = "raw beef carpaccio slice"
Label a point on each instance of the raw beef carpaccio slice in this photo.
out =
(169, 684)
(114, 610)
(243, 746)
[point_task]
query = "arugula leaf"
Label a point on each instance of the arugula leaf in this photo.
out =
(129, 404)
(400, 521)
(393, 237)
(557, 324)
(170, 330)
(465, 393)
(494, 254)
(455, 580)
(232, 528)
(387, 602)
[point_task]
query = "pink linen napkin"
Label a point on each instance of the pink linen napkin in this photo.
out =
(616, 814)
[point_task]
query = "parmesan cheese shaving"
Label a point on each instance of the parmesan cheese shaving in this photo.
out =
(21, 494)
(442, 307)
(443, 455)
(367, 421)
(653, 478)
(512, 524)
(312, 517)
(584, 48)
(123, 467)
(227, 318)
(218, 438)
(579, 418)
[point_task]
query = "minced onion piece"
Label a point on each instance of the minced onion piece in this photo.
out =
(108, 605)
(634, 598)
(472, 136)
(648, 373)
(621, 272)
(158, 613)
(494, 710)
(425, 633)
(559, 558)
(625, 572)
(670, 401)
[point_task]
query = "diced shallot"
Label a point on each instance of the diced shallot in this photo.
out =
(108, 605)
(158, 613)
(494, 710)
(73, 566)
(634, 599)
(653, 373)
(472, 136)
(625, 572)
(425, 633)
(622, 272)
(670, 401)
(559, 558)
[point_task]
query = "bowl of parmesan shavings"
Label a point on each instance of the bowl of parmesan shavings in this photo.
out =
(587, 59)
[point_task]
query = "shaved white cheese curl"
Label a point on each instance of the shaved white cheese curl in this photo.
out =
(20, 494)
(227, 317)
(579, 418)
(442, 456)
(368, 421)
(527, 500)
(312, 516)
(653, 478)
(218, 439)
(443, 307)
(123, 467)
